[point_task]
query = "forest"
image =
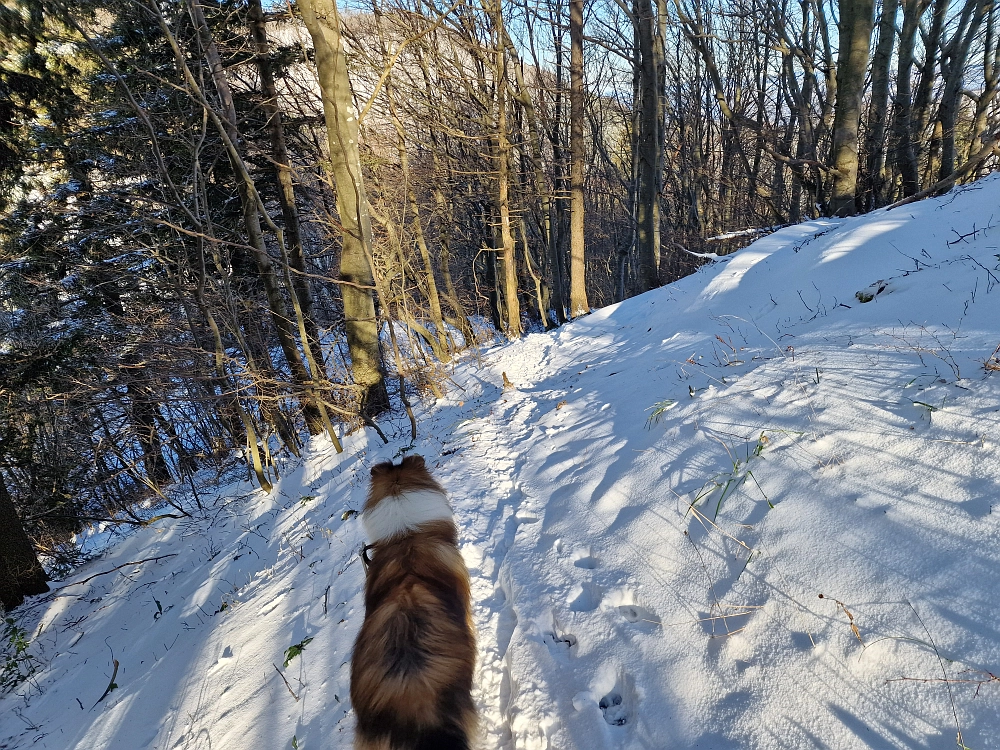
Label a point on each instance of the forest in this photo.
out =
(227, 226)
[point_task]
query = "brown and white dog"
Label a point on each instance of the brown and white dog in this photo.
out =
(411, 675)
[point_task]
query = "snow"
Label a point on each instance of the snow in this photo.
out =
(834, 586)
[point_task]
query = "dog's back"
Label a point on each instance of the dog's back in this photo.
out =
(411, 675)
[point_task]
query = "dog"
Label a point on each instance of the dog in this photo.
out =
(413, 663)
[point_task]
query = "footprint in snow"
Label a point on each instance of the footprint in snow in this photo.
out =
(585, 560)
(619, 704)
(559, 643)
(614, 710)
(585, 597)
(623, 600)
(639, 616)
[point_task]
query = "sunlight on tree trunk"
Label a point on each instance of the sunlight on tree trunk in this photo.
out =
(856, 20)
(323, 22)
(577, 267)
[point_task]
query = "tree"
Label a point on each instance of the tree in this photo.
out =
(323, 22)
(953, 61)
(874, 179)
(21, 574)
(502, 149)
(577, 269)
(649, 147)
(286, 190)
(902, 148)
(856, 20)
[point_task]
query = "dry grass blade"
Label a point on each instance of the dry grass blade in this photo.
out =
(850, 618)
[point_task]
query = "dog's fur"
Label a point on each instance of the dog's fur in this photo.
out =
(411, 675)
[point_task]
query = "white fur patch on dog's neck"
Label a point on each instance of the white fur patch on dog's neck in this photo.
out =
(401, 514)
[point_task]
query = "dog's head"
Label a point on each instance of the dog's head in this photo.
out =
(401, 498)
(389, 479)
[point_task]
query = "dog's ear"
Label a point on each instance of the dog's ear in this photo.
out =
(413, 462)
(380, 470)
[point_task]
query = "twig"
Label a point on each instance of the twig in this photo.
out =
(111, 686)
(125, 565)
(944, 672)
(285, 681)
(399, 50)
(992, 363)
(993, 278)
(985, 680)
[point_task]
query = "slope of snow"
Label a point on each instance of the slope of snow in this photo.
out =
(743, 511)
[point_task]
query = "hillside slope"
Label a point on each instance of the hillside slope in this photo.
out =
(747, 510)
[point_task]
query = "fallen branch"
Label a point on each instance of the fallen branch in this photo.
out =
(992, 364)
(119, 567)
(942, 186)
(111, 686)
(987, 678)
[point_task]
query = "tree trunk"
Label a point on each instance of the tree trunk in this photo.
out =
(648, 194)
(546, 294)
(856, 19)
(577, 266)
(557, 221)
(874, 179)
(991, 68)
(497, 314)
(445, 213)
(829, 68)
(953, 62)
(512, 304)
(928, 71)
(433, 298)
(322, 20)
(903, 152)
(280, 318)
(147, 433)
(21, 574)
(283, 171)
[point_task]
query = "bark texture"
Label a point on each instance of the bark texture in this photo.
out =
(856, 20)
(577, 265)
(648, 147)
(323, 21)
(874, 179)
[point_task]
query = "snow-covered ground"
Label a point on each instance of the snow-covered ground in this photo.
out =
(746, 510)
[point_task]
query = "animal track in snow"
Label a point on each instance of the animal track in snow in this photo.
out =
(614, 709)
(618, 705)
(585, 597)
(623, 600)
(585, 560)
(556, 642)
(639, 616)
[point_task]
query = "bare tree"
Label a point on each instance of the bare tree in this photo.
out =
(874, 179)
(856, 20)
(323, 22)
(649, 145)
(577, 271)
